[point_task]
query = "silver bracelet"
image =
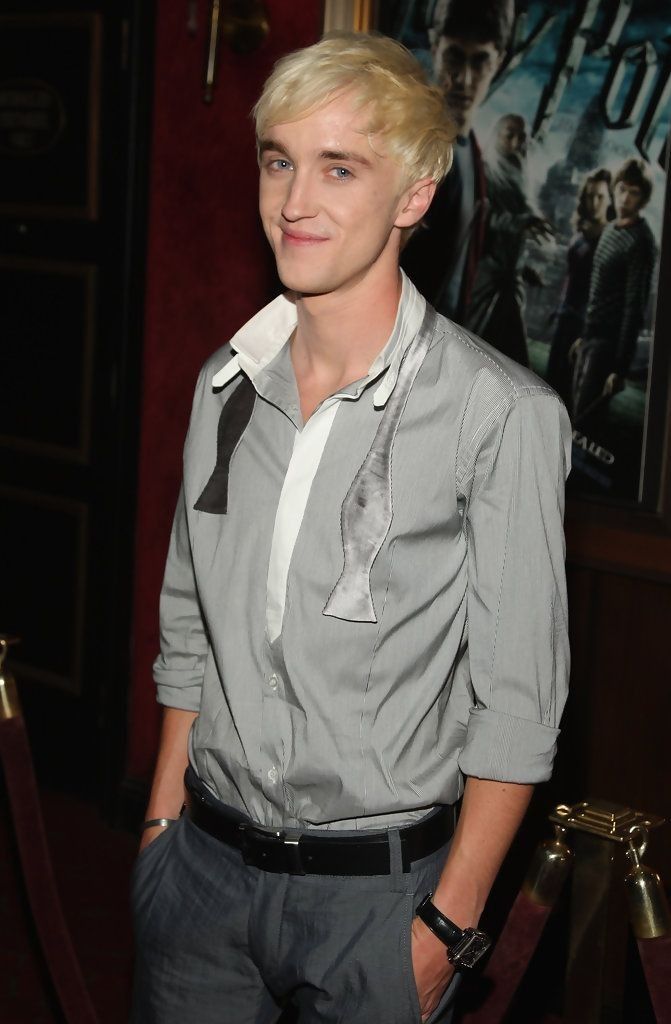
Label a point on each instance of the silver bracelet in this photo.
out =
(163, 822)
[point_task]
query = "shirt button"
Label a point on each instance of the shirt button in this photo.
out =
(272, 682)
(273, 774)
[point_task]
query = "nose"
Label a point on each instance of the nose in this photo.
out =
(458, 73)
(300, 200)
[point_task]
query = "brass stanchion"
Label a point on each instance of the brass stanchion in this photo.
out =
(9, 700)
(648, 906)
(601, 837)
(34, 857)
(651, 924)
(551, 864)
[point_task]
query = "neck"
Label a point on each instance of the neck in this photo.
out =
(339, 334)
(593, 228)
(464, 126)
(626, 222)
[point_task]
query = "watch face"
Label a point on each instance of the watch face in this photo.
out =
(469, 949)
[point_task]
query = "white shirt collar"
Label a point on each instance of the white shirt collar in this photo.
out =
(259, 341)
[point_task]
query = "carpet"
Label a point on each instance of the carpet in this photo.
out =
(92, 864)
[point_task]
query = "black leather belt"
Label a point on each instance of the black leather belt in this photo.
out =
(303, 853)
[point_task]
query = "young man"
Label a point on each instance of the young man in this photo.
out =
(618, 295)
(470, 38)
(594, 210)
(364, 598)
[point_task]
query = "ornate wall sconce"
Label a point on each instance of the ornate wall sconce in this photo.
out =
(242, 23)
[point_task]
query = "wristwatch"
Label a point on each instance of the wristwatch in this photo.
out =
(465, 946)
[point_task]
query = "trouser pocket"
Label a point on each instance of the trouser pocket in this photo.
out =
(408, 908)
(147, 873)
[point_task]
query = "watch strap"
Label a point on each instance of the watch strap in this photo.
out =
(447, 931)
(465, 946)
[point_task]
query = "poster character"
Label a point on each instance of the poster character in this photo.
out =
(593, 212)
(591, 82)
(468, 43)
(496, 308)
(624, 260)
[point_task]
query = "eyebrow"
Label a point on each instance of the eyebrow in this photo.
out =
(272, 145)
(266, 145)
(340, 154)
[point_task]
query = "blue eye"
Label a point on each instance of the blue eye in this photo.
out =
(341, 173)
(280, 164)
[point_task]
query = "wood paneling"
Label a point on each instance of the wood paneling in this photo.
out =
(72, 223)
(615, 735)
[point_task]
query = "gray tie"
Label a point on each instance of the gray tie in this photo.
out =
(367, 509)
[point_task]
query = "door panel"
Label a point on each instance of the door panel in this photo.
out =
(74, 125)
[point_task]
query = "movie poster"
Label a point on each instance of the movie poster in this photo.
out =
(558, 193)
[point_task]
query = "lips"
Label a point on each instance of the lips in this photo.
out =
(459, 99)
(295, 237)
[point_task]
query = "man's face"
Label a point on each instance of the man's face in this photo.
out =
(628, 200)
(464, 70)
(329, 204)
(511, 138)
(596, 201)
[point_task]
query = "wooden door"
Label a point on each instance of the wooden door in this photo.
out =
(73, 141)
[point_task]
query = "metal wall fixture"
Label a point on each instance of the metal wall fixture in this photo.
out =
(243, 24)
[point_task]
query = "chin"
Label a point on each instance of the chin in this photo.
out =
(304, 284)
(303, 279)
(459, 115)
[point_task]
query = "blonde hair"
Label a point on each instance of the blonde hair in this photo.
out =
(407, 113)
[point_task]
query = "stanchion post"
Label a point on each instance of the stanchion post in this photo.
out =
(598, 934)
(9, 701)
(598, 915)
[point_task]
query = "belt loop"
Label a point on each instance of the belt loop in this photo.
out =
(398, 880)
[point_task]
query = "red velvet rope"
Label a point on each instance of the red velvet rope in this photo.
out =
(510, 959)
(517, 944)
(656, 960)
(39, 877)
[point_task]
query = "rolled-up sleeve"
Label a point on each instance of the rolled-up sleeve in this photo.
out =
(178, 670)
(517, 613)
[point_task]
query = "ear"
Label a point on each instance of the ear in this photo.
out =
(414, 203)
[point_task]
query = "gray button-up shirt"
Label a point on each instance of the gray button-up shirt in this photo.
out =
(420, 632)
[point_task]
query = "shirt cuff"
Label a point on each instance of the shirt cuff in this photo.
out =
(507, 749)
(184, 697)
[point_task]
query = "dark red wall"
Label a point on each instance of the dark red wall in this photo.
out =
(208, 271)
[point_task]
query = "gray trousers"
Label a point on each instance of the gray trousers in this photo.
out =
(222, 942)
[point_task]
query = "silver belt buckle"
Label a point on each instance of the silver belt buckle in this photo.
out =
(255, 837)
